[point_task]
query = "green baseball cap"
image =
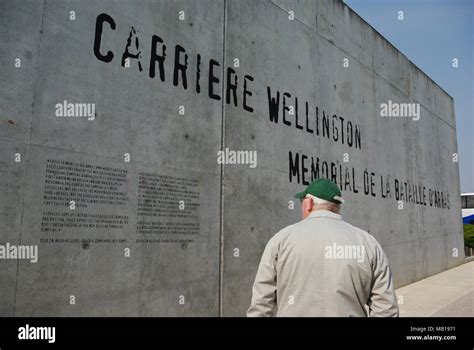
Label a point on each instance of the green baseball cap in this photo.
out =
(324, 189)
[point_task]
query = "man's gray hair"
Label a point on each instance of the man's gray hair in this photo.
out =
(334, 207)
(320, 204)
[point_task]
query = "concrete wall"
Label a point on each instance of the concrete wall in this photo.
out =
(147, 255)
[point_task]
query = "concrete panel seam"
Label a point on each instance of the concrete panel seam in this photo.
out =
(28, 149)
(221, 183)
(296, 18)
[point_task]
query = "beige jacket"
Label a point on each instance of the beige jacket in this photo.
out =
(322, 266)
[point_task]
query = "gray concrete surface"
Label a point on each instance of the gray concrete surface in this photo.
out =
(447, 294)
(209, 272)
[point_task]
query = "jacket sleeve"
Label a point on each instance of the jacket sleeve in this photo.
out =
(264, 292)
(382, 301)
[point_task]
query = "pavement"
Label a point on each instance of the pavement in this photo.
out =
(449, 293)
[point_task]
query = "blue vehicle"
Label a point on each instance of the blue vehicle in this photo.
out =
(467, 205)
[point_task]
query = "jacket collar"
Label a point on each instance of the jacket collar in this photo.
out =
(324, 214)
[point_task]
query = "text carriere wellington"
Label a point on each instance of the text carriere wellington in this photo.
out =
(284, 108)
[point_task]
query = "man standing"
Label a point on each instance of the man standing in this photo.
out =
(323, 266)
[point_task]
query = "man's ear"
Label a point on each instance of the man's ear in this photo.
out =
(308, 205)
